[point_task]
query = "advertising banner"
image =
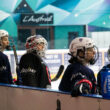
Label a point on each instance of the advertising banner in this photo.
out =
(53, 61)
(106, 59)
(55, 58)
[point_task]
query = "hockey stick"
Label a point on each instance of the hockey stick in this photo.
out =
(14, 50)
(16, 60)
(61, 68)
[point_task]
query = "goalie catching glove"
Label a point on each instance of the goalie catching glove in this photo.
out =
(83, 86)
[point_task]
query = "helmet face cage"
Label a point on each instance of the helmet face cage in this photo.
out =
(39, 40)
(96, 56)
(82, 44)
(31, 44)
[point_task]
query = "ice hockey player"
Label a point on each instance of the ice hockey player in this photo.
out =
(5, 70)
(78, 78)
(99, 88)
(34, 72)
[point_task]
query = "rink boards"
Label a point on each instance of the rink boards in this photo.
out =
(14, 97)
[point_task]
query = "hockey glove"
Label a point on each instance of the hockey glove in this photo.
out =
(83, 86)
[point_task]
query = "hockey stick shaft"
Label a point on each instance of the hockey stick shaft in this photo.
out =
(60, 71)
(14, 49)
(17, 65)
(15, 55)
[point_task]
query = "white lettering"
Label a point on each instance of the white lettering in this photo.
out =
(25, 19)
(36, 20)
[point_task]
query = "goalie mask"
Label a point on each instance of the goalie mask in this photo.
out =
(36, 43)
(4, 43)
(82, 45)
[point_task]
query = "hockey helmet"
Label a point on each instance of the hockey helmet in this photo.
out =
(82, 44)
(3, 33)
(31, 44)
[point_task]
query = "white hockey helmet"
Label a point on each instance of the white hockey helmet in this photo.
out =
(31, 43)
(82, 43)
(3, 33)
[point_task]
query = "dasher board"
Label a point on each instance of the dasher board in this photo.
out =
(13, 97)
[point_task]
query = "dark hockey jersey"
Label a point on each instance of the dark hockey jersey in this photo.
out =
(75, 72)
(99, 78)
(33, 71)
(5, 71)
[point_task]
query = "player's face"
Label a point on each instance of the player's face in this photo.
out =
(90, 54)
(5, 42)
(40, 46)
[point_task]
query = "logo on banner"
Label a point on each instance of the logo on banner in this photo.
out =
(40, 18)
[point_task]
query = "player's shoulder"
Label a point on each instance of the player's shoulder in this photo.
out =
(2, 55)
(30, 57)
(75, 65)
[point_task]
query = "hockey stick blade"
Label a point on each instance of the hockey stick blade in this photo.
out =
(61, 68)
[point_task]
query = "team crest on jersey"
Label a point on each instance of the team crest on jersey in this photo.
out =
(80, 75)
(24, 70)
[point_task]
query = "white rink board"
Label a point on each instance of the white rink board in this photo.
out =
(15, 98)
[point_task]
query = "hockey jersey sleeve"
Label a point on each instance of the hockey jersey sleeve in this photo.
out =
(65, 84)
(5, 70)
(9, 72)
(45, 81)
